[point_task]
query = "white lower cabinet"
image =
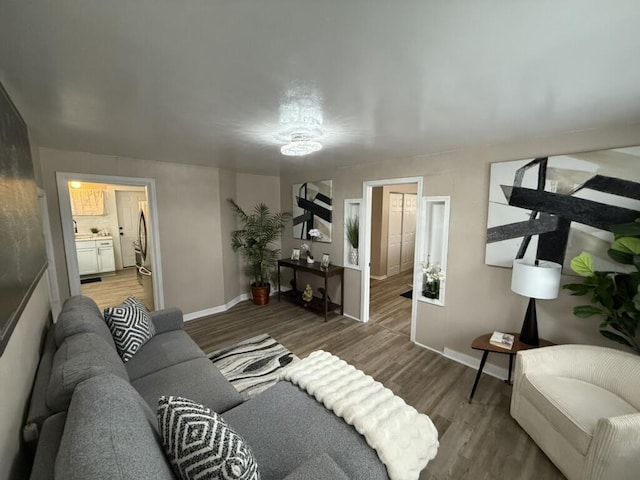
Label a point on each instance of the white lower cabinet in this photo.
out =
(95, 256)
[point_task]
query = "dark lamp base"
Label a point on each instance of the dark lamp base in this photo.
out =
(529, 332)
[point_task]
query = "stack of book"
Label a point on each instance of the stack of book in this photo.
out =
(502, 340)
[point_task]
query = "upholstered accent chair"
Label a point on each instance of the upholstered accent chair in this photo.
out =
(581, 405)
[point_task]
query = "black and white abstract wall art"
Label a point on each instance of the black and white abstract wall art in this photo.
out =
(312, 209)
(553, 208)
(22, 253)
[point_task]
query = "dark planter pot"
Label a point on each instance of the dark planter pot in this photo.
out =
(260, 295)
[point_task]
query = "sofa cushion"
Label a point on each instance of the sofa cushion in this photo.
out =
(195, 379)
(80, 356)
(130, 325)
(110, 434)
(200, 444)
(285, 427)
(81, 315)
(573, 406)
(320, 467)
(163, 350)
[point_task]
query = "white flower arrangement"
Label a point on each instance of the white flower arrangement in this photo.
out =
(432, 272)
(313, 233)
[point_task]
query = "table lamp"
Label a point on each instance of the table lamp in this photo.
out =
(536, 280)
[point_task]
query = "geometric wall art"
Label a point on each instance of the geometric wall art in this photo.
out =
(553, 208)
(312, 208)
(23, 259)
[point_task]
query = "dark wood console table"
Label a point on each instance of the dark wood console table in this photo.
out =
(322, 305)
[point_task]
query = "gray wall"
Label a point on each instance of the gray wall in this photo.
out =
(478, 297)
(18, 366)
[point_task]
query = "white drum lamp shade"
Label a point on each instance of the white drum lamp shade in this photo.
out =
(540, 281)
(536, 280)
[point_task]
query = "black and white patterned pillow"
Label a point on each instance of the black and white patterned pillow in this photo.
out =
(131, 326)
(201, 445)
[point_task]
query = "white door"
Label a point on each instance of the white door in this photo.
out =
(127, 203)
(394, 245)
(408, 231)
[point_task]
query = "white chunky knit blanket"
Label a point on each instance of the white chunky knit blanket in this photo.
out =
(404, 439)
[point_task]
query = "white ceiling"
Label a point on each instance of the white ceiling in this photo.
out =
(199, 81)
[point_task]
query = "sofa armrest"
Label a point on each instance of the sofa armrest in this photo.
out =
(613, 452)
(167, 319)
(48, 443)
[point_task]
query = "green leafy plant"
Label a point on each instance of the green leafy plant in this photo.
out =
(616, 295)
(353, 231)
(260, 229)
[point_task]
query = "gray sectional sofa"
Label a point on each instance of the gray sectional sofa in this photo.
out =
(94, 417)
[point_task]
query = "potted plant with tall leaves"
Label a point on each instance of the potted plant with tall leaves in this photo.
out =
(352, 228)
(255, 241)
(616, 295)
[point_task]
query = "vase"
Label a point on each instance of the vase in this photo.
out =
(431, 289)
(310, 259)
(354, 256)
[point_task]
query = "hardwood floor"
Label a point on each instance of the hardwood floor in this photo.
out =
(387, 308)
(477, 441)
(112, 290)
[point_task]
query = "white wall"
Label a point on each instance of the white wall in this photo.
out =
(18, 366)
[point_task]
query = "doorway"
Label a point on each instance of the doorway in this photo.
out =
(387, 272)
(100, 219)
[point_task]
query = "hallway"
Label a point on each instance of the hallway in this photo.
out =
(388, 308)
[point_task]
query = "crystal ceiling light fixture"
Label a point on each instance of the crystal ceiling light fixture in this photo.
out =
(300, 145)
(300, 123)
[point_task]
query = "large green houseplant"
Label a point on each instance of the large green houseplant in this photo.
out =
(255, 242)
(616, 295)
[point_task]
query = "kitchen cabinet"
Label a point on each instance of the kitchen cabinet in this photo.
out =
(87, 257)
(95, 256)
(106, 260)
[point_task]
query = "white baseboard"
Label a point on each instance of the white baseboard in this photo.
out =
(219, 309)
(223, 308)
(470, 361)
(352, 317)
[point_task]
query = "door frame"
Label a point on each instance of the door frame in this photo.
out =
(68, 236)
(367, 195)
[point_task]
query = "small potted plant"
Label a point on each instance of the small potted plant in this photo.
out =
(352, 228)
(260, 229)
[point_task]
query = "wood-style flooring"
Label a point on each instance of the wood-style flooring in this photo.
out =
(112, 290)
(477, 441)
(387, 308)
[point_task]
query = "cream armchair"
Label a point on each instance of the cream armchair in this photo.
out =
(581, 405)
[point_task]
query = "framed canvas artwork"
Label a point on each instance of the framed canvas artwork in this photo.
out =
(553, 208)
(313, 209)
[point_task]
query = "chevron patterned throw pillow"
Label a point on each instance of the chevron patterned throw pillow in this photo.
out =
(131, 326)
(201, 445)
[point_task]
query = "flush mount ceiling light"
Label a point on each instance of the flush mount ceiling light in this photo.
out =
(300, 122)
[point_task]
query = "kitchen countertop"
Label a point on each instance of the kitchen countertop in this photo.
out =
(82, 238)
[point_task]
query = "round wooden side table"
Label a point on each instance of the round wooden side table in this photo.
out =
(482, 343)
